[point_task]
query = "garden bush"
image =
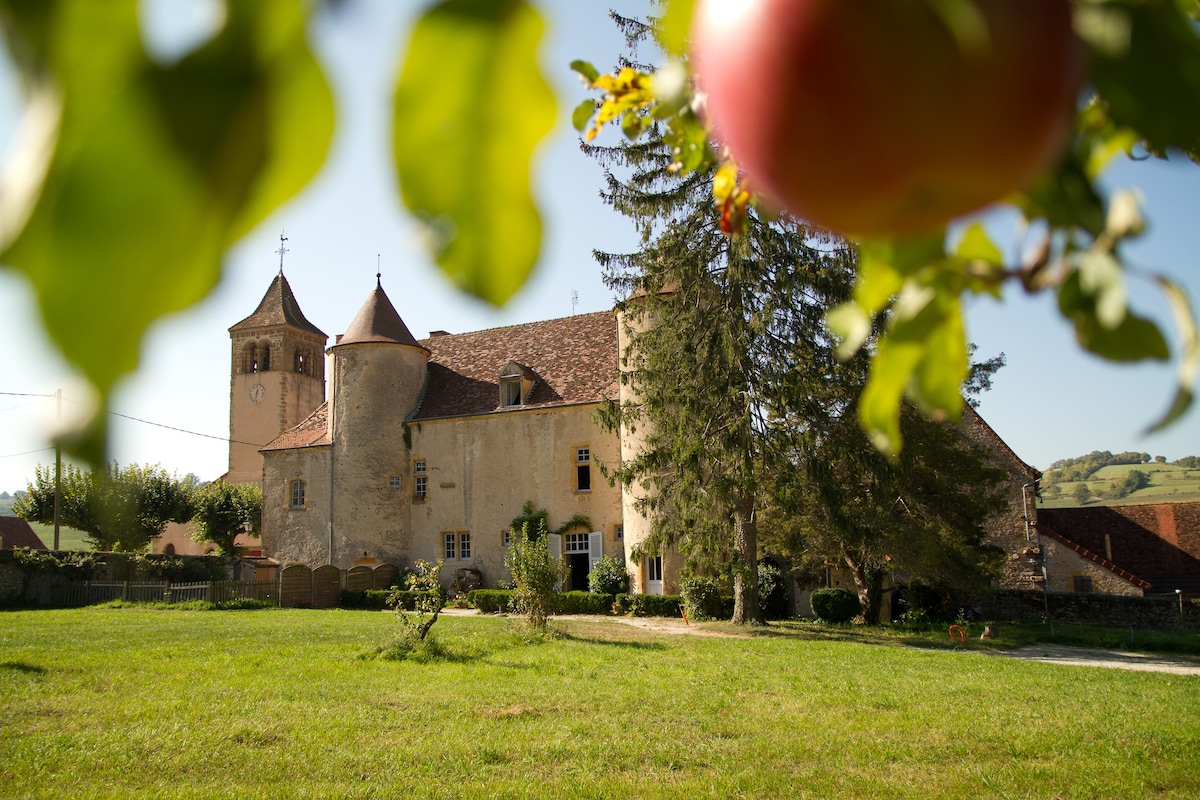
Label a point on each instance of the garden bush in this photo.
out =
(367, 598)
(701, 598)
(652, 605)
(835, 605)
(583, 603)
(772, 591)
(490, 601)
(608, 576)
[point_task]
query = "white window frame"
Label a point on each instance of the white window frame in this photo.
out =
(575, 543)
(450, 546)
(296, 491)
(464, 545)
(420, 479)
(396, 482)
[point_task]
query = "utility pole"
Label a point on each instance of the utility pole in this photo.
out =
(57, 468)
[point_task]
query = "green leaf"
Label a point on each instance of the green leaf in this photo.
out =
(470, 108)
(1133, 339)
(585, 68)
(156, 170)
(976, 245)
(675, 26)
(1152, 83)
(583, 114)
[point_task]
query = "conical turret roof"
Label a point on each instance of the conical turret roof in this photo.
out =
(377, 321)
(278, 307)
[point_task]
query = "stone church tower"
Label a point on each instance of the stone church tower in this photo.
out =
(277, 377)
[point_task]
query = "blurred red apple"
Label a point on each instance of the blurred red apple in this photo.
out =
(874, 117)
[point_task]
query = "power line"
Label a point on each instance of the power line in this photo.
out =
(133, 419)
(27, 453)
(182, 430)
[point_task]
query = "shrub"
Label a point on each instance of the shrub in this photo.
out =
(653, 605)
(490, 601)
(773, 591)
(583, 603)
(701, 598)
(835, 605)
(608, 576)
(536, 575)
(370, 598)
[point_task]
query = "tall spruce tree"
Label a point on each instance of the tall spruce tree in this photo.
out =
(730, 353)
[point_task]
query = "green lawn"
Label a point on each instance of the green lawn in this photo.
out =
(111, 702)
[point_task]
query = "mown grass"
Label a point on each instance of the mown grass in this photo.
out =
(130, 702)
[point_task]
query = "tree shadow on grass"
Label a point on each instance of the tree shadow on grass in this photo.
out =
(20, 666)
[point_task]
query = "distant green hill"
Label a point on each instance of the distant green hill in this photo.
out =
(1165, 483)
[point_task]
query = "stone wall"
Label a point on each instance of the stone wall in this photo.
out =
(1160, 612)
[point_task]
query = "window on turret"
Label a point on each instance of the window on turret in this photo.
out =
(264, 358)
(297, 494)
(420, 480)
(300, 362)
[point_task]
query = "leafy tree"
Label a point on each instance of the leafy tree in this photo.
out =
(1082, 494)
(223, 511)
(120, 509)
(920, 515)
(536, 575)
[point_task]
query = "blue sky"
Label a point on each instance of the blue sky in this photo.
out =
(1051, 401)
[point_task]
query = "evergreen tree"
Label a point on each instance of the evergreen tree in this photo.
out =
(730, 345)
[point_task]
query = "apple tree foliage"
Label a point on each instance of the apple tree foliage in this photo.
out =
(1144, 58)
(132, 176)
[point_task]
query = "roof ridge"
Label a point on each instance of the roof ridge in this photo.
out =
(518, 325)
(1098, 559)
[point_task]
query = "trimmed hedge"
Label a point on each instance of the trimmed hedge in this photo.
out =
(490, 601)
(650, 605)
(583, 603)
(835, 605)
(378, 599)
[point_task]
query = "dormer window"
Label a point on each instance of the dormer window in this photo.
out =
(510, 392)
(516, 382)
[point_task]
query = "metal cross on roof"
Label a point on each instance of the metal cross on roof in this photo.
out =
(282, 249)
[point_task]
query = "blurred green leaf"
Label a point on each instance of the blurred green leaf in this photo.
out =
(470, 108)
(976, 245)
(156, 169)
(1157, 70)
(585, 69)
(582, 114)
(675, 26)
(1133, 339)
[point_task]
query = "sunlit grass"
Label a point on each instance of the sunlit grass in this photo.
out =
(125, 702)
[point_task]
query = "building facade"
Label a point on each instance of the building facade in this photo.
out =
(429, 448)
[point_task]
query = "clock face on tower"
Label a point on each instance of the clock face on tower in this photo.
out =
(257, 393)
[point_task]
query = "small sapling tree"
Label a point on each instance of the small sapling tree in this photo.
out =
(536, 575)
(430, 600)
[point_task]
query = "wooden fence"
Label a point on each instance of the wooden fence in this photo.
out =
(87, 593)
(296, 586)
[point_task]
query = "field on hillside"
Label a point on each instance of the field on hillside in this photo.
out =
(119, 702)
(1169, 483)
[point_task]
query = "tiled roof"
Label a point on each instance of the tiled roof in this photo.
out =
(1158, 543)
(572, 360)
(377, 321)
(278, 307)
(15, 532)
(311, 432)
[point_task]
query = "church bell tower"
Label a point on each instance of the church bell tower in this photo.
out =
(277, 376)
